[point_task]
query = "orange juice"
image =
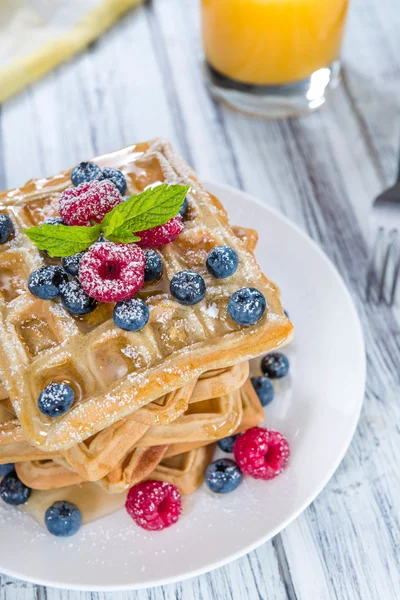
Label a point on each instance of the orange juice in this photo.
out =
(272, 42)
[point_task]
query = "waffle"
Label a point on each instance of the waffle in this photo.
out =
(114, 372)
(45, 474)
(185, 471)
(186, 461)
(205, 421)
(135, 466)
(48, 474)
(96, 457)
(220, 382)
(252, 415)
(113, 455)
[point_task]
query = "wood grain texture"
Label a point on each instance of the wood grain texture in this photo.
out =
(142, 79)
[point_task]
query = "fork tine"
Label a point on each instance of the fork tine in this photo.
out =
(372, 262)
(390, 249)
(395, 280)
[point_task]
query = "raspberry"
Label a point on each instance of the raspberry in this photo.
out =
(154, 505)
(112, 272)
(261, 453)
(90, 201)
(162, 234)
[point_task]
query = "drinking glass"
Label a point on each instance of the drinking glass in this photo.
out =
(273, 58)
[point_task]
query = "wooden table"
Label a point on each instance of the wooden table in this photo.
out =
(141, 80)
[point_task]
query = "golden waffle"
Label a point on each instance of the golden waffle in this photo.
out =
(141, 462)
(97, 456)
(45, 474)
(252, 415)
(13, 446)
(220, 382)
(203, 421)
(3, 393)
(248, 236)
(185, 471)
(114, 372)
(133, 468)
(52, 474)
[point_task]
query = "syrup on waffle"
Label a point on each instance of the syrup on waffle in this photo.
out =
(96, 457)
(114, 372)
(182, 464)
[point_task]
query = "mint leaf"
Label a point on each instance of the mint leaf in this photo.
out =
(123, 237)
(61, 240)
(155, 206)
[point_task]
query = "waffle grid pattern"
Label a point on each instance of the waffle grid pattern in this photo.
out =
(114, 373)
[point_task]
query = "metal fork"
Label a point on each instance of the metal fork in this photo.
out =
(384, 261)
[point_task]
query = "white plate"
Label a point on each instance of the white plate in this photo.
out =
(317, 409)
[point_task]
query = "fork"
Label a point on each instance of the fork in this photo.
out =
(384, 261)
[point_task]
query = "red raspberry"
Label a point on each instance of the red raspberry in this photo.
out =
(261, 453)
(90, 201)
(162, 234)
(112, 272)
(154, 505)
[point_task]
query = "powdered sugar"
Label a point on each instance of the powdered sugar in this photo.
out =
(211, 310)
(162, 234)
(112, 272)
(136, 356)
(89, 201)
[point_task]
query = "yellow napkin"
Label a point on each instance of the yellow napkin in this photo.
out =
(37, 35)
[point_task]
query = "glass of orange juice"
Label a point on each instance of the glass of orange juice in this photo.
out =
(273, 58)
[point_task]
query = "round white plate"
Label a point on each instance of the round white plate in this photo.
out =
(316, 408)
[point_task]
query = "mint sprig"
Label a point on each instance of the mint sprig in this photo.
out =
(153, 207)
(61, 240)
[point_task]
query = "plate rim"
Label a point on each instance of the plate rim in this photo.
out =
(231, 557)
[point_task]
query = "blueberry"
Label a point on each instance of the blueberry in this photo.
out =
(75, 299)
(117, 177)
(184, 208)
(275, 365)
(85, 171)
(222, 262)
(71, 263)
(223, 476)
(264, 389)
(63, 518)
(286, 313)
(153, 267)
(54, 221)
(13, 491)
(226, 444)
(56, 399)
(6, 228)
(131, 315)
(188, 287)
(45, 282)
(6, 469)
(246, 306)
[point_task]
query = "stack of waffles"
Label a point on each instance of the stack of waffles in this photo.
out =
(148, 404)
